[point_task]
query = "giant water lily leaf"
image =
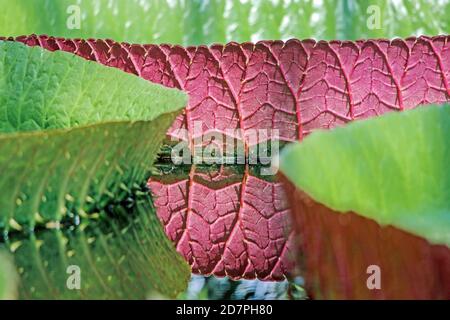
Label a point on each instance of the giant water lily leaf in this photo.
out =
(124, 257)
(205, 22)
(294, 87)
(391, 170)
(374, 195)
(226, 221)
(78, 139)
(76, 135)
(329, 83)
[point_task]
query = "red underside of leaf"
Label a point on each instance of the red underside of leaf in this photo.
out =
(295, 87)
(337, 248)
(227, 223)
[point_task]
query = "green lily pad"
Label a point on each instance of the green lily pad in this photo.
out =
(77, 140)
(76, 135)
(392, 169)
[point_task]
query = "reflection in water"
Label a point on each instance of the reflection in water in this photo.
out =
(122, 256)
(213, 288)
(226, 221)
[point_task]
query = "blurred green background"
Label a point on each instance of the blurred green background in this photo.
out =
(194, 22)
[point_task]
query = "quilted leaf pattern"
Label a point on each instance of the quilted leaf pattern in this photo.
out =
(294, 86)
(226, 221)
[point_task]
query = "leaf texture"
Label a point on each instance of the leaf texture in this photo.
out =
(294, 86)
(68, 146)
(77, 140)
(226, 221)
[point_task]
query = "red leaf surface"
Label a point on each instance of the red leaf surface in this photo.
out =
(294, 86)
(336, 250)
(226, 222)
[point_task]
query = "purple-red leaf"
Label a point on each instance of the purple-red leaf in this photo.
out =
(294, 86)
(226, 222)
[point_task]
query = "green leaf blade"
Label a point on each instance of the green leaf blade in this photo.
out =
(50, 90)
(77, 140)
(391, 169)
(95, 133)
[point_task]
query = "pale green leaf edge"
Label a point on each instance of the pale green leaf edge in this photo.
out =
(85, 154)
(392, 169)
(65, 170)
(8, 277)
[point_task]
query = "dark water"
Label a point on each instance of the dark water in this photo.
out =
(215, 288)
